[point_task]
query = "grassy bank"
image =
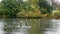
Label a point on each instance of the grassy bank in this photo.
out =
(55, 14)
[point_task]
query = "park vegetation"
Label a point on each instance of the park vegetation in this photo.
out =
(28, 8)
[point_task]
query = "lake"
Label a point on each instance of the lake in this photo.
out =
(29, 26)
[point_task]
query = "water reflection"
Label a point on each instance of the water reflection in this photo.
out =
(1, 26)
(27, 26)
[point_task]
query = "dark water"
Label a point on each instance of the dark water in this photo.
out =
(29, 26)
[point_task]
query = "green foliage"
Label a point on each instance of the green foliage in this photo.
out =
(56, 12)
(12, 7)
(43, 4)
(43, 10)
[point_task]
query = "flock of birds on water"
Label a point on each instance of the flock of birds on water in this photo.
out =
(16, 25)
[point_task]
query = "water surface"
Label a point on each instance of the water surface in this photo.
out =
(29, 26)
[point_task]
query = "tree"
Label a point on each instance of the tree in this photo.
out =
(12, 7)
(44, 6)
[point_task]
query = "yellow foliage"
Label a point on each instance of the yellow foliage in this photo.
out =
(37, 13)
(32, 6)
(44, 15)
(30, 13)
(34, 1)
(26, 15)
